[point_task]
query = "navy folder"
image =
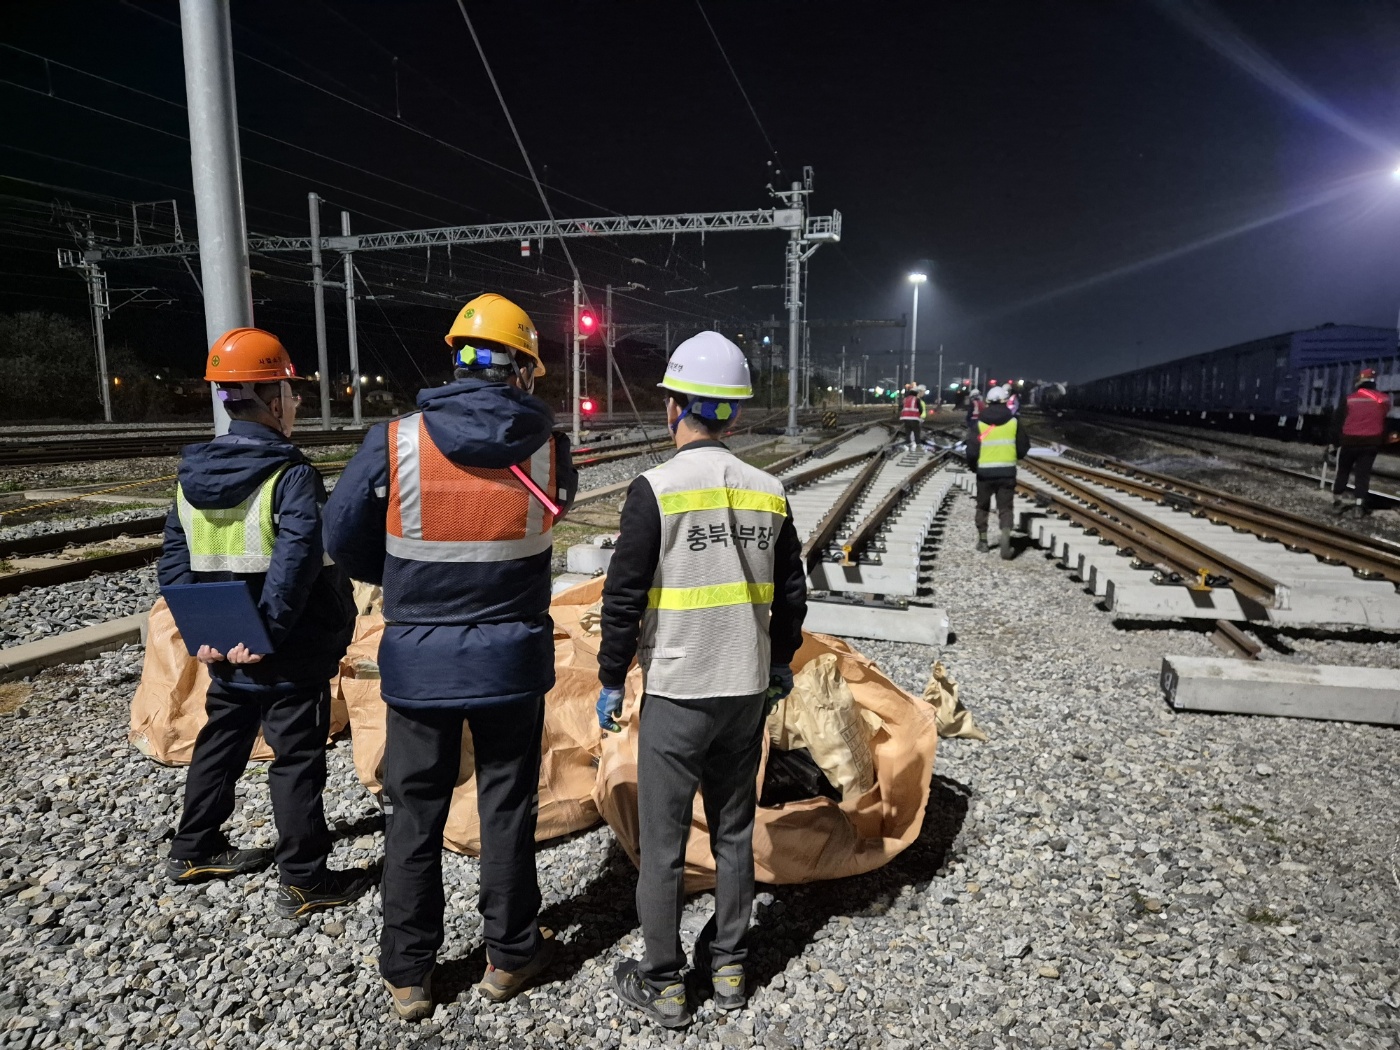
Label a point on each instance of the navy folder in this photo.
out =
(217, 614)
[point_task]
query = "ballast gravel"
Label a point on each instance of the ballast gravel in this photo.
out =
(41, 612)
(1101, 873)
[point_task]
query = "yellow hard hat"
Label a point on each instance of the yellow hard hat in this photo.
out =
(492, 318)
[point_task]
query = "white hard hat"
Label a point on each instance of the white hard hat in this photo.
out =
(998, 393)
(709, 365)
(975, 393)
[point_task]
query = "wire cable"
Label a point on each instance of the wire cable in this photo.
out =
(738, 83)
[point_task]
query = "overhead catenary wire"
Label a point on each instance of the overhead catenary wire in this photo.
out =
(737, 82)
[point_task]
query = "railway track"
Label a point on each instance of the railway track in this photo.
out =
(1258, 461)
(1157, 546)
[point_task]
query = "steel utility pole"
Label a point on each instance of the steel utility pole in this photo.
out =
(794, 308)
(940, 371)
(577, 343)
(352, 336)
(318, 289)
(842, 387)
(608, 345)
(218, 178)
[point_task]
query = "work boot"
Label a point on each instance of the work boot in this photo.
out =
(337, 888)
(1340, 508)
(1337, 503)
(982, 547)
(219, 866)
(1362, 510)
(499, 985)
(1006, 550)
(415, 1002)
(667, 1008)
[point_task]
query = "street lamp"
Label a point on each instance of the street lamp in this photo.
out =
(915, 279)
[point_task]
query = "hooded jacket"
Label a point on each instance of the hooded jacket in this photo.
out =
(457, 634)
(995, 414)
(307, 605)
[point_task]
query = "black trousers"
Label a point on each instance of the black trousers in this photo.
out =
(1361, 459)
(295, 721)
(915, 428)
(712, 744)
(1004, 490)
(422, 754)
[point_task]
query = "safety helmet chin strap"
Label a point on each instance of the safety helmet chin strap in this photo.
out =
(481, 357)
(707, 409)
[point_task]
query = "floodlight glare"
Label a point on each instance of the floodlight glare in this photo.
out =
(918, 278)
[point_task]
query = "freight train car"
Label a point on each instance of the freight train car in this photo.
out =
(1290, 381)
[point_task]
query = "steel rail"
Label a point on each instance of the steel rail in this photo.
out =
(1230, 639)
(826, 529)
(79, 569)
(831, 466)
(875, 520)
(816, 451)
(1361, 553)
(1165, 437)
(1248, 582)
(57, 541)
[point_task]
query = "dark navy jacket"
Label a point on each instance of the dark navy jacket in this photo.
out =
(307, 605)
(457, 634)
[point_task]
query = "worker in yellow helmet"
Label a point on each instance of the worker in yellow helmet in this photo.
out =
(451, 508)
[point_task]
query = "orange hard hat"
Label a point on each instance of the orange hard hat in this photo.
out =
(248, 355)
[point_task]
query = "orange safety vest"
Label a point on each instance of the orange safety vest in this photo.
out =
(442, 511)
(910, 408)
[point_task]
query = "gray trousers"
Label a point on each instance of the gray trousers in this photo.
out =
(712, 744)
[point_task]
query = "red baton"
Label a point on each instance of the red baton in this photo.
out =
(535, 490)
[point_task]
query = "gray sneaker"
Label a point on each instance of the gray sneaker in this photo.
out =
(730, 989)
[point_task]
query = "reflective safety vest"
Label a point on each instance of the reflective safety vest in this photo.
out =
(912, 408)
(445, 512)
(705, 631)
(998, 451)
(1366, 412)
(232, 539)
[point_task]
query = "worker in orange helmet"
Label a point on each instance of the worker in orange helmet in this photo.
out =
(451, 508)
(248, 507)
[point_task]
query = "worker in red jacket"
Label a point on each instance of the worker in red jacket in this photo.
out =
(1358, 432)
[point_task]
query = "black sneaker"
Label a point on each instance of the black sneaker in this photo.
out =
(667, 1008)
(219, 866)
(982, 547)
(337, 888)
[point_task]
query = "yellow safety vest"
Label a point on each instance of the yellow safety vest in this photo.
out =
(232, 539)
(998, 447)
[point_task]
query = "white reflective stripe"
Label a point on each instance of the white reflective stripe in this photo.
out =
(539, 474)
(412, 549)
(230, 562)
(999, 441)
(410, 492)
(381, 491)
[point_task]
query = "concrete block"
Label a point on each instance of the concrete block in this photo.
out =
(917, 624)
(565, 580)
(21, 661)
(588, 559)
(1342, 694)
(901, 577)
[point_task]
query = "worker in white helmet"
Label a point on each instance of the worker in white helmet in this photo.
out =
(708, 588)
(995, 441)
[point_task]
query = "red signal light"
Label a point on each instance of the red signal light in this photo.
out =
(587, 322)
(586, 406)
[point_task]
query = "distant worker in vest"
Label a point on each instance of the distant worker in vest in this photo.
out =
(975, 405)
(248, 507)
(912, 411)
(451, 508)
(1358, 433)
(707, 588)
(995, 442)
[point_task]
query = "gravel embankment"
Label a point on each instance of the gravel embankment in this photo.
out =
(1103, 872)
(49, 526)
(41, 612)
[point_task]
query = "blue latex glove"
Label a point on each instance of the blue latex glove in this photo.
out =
(609, 707)
(779, 685)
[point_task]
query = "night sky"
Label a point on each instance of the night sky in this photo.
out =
(1091, 186)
